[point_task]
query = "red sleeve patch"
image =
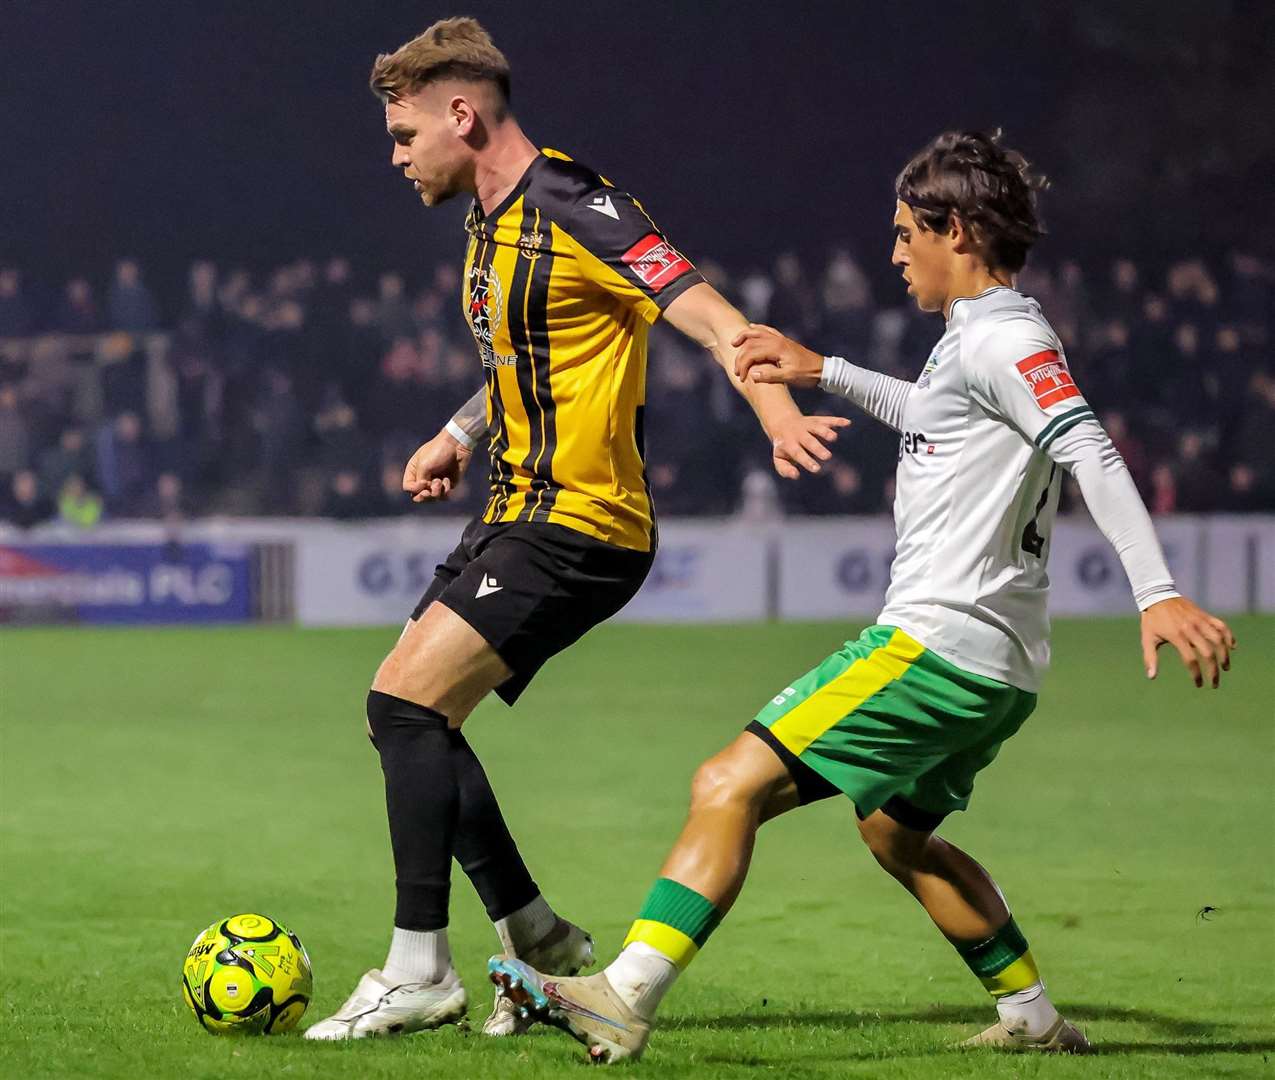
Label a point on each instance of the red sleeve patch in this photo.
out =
(1047, 377)
(657, 262)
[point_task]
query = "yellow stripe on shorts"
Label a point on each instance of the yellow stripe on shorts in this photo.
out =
(839, 698)
(671, 942)
(1021, 974)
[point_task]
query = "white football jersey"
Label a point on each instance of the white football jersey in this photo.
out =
(977, 490)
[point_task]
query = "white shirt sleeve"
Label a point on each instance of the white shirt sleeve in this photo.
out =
(882, 396)
(1116, 507)
(1017, 372)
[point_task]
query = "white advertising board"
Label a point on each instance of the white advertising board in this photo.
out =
(840, 568)
(368, 574)
(1239, 562)
(1085, 575)
(835, 568)
(705, 572)
(373, 574)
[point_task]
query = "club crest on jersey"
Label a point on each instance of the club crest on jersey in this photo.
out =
(484, 308)
(529, 244)
(1047, 377)
(928, 370)
(486, 305)
(656, 262)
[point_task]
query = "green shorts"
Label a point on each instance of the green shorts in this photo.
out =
(895, 727)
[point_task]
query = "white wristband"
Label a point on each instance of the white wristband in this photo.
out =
(460, 435)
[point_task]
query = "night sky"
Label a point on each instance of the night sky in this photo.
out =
(245, 131)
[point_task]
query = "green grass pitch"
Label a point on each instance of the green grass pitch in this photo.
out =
(152, 781)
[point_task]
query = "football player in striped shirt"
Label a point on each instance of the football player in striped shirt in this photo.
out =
(564, 273)
(903, 719)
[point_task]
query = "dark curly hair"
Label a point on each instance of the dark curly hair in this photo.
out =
(988, 186)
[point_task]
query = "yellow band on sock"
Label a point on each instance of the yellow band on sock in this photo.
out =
(1021, 974)
(665, 939)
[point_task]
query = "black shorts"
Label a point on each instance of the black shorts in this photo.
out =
(531, 589)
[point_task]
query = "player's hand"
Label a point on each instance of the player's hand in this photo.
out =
(1203, 641)
(766, 356)
(435, 469)
(799, 440)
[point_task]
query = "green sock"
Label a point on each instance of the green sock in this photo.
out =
(1003, 962)
(675, 920)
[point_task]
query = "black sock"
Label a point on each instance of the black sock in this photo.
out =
(422, 799)
(484, 848)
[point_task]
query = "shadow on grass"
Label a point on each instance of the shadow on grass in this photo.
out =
(1219, 1037)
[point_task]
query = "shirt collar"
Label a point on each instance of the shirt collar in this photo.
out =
(963, 306)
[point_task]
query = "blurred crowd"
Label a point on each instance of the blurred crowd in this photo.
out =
(304, 390)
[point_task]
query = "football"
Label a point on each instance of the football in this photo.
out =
(247, 975)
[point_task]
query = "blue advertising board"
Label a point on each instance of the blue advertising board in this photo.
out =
(125, 583)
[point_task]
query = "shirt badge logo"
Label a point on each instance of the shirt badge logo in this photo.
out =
(1047, 377)
(530, 243)
(928, 370)
(656, 262)
(484, 308)
(486, 305)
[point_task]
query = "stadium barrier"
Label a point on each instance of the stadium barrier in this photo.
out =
(323, 573)
(127, 583)
(831, 568)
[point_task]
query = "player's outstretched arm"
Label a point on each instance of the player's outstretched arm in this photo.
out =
(705, 316)
(1202, 640)
(437, 466)
(1017, 372)
(766, 356)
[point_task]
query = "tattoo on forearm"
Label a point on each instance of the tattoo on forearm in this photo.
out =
(471, 418)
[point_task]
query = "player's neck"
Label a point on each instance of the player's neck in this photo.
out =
(502, 163)
(974, 281)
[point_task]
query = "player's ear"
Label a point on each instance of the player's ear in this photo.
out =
(461, 114)
(963, 238)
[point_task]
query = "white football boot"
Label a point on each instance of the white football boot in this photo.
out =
(587, 1008)
(377, 1007)
(565, 950)
(1062, 1038)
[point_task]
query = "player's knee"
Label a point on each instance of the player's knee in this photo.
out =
(718, 781)
(425, 666)
(709, 783)
(380, 707)
(390, 719)
(899, 851)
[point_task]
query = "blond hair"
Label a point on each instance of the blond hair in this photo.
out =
(456, 48)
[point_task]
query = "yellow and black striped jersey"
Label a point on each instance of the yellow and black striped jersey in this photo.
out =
(562, 280)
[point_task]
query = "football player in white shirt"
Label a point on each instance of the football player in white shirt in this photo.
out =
(903, 719)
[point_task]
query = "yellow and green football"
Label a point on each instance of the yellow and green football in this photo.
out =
(247, 975)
